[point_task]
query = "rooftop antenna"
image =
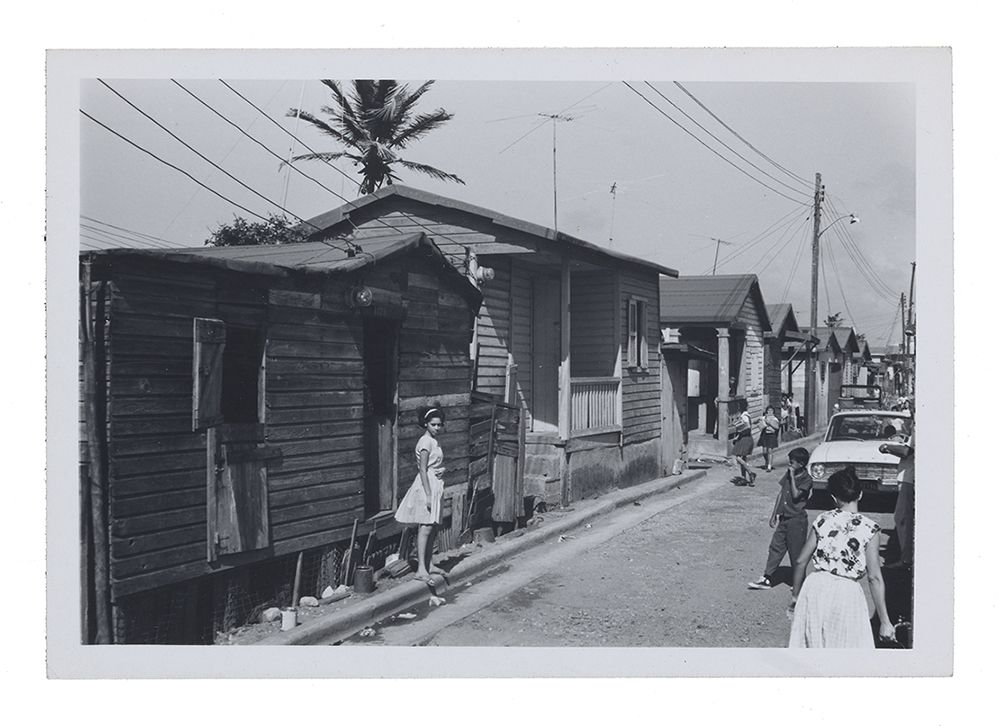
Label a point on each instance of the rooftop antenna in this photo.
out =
(717, 243)
(614, 193)
(554, 117)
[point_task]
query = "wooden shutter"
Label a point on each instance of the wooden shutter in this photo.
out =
(642, 330)
(632, 334)
(238, 517)
(206, 397)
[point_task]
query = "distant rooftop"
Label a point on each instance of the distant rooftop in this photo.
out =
(709, 299)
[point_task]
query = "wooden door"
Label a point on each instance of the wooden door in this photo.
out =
(508, 464)
(237, 490)
(381, 373)
(545, 338)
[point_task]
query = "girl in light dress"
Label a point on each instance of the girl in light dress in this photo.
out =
(768, 440)
(743, 447)
(830, 610)
(422, 503)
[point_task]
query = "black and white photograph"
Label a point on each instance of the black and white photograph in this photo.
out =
(370, 354)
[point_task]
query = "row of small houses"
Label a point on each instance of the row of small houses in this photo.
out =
(241, 406)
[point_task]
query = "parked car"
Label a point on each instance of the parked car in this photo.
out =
(854, 396)
(852, 439)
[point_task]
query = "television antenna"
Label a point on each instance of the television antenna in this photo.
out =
(555, 118)
(614, 196)
(718, 242)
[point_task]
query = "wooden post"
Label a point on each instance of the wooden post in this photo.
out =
(94, 390)
(723, 387)
(565, 423)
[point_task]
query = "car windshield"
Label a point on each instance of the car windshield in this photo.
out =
(859, 427)
(860, 392)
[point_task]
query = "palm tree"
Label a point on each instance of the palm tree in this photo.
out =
(375, 122)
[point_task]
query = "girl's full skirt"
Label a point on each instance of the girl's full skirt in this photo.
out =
(413, 508)
(831, 612)
(743, 444)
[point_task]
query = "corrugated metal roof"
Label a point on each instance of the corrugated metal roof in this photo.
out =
(330, 257)
(709, 299)
(339, 214)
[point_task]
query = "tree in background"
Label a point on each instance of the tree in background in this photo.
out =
(275, 231)
(833, 321)
(375, 122)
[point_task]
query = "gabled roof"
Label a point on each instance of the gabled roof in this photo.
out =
(827, 340)
(782, 319)
(328, 257)
(846, 338)
(340, 214)
(709, 300)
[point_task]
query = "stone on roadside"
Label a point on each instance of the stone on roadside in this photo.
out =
(308, 602)
(270, 615)
(328, 592)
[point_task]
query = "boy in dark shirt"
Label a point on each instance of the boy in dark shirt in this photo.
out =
(788, 518)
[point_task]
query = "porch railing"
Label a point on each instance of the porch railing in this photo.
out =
(595, 404)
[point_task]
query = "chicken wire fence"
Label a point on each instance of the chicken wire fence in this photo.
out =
(206, 609)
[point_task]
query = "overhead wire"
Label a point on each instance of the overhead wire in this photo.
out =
(840, 285)
(225, 156)
(171, 243)
(172, 166)
(845, 233)
(540, 124)
(747, 246)
(127, 238)
(696, 123)
(800, 253)
(700, 141)
(864, 267)
(738, 136)
(209, 161)
(350, 204)
(779, 250)
(826, 285)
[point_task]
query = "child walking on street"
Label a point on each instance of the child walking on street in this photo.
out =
(788, 517)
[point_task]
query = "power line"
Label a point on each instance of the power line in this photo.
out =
(780, 249)
(351, 205)
(225, 156)
(259, 143)
(747, 246)
(693, 136)
(135, 240)
(734, 133)
(172, 166)
(209, 161)
(795, 265)
(131, 231)
(826, 285)
(695, 122)
(860, 252)
(864, 267)
(836, 276)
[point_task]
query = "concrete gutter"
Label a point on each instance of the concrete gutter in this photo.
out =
(341, 625)
(345, 623)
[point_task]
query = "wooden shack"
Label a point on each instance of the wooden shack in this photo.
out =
(568, 332)
(724, 319)
(246, 404)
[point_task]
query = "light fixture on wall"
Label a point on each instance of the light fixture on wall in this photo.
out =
(359, 296)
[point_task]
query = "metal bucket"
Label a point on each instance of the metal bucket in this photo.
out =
(364, 579)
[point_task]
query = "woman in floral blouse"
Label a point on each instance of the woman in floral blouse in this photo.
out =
(830, 608)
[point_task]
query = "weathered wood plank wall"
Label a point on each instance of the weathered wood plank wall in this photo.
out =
(313, 408)
(641, 418)
(592, 323)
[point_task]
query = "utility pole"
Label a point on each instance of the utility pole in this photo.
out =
(903, 347)
(810, 402)
(911, 338)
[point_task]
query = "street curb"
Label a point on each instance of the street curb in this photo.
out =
(340, 625)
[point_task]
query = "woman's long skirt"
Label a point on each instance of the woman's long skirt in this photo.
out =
(831, 612)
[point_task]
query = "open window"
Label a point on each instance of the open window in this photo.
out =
(638, 345)
(227, 403)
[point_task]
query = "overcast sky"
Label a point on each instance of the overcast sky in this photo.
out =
(673, 194)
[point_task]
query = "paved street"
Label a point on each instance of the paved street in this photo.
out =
(671, 571)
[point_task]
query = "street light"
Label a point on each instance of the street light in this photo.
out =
(810, 362)
(854, 219)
